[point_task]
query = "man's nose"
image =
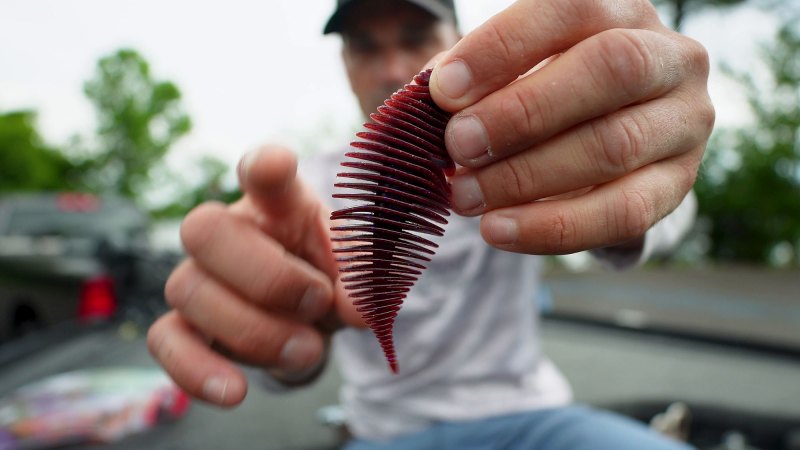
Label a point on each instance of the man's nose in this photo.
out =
(397, 68)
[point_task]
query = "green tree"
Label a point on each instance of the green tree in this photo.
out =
(210, 172)
(26, 162)
(139, 118)
(680, 9)
(750, 183)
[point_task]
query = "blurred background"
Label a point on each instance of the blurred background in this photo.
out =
(116, 118)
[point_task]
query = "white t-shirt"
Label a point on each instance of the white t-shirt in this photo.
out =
(466, 337)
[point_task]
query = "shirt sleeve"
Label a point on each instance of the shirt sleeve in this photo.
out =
(660, 239)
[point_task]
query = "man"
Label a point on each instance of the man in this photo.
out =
(606, 129)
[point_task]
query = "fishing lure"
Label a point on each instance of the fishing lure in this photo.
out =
(402, 191)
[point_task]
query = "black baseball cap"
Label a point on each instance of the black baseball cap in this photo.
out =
(441, 9)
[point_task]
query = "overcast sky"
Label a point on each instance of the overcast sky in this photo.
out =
(250, 71)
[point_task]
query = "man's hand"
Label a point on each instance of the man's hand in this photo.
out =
(608, 122)
(257, 286)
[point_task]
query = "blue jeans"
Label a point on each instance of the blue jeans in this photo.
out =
(568, 428)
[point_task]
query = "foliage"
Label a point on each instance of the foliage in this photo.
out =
(26, 162)
(139, 118)
(211, 173)
(750, 183)
(682, 8)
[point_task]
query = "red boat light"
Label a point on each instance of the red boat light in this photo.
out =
(98, 301)
(76, 202)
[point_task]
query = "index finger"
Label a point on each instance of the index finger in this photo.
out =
(523, 35)
(291, 214)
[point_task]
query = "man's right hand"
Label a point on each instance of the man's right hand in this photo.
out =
(259, 282)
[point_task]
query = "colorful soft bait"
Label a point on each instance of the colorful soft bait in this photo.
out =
(401, 189)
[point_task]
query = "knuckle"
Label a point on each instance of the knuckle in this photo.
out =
(611, 13)
(707, 116)
(689, 178)
(158, 345)
(524, 113)
(555, 13)
(247, 342)
(266, 288)
(697, 115)
(621, 141)
(508, 48)
(625, 60)
(200, 225)
(256, 340)
(689, 171)
(515, 181)
(183, 285)
(576, 11)
(643, 10)
(697, 56)
(500, 51)
(172, 290)
(174, 287)
(155, 336)
(560, 236)
(637, 214)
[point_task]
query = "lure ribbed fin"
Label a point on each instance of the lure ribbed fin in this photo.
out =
(401, 192)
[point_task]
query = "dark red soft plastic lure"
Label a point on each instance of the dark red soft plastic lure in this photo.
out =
(401, 188)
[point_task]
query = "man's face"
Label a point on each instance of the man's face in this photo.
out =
(386, 43)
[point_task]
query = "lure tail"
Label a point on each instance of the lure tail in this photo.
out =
(401, 190)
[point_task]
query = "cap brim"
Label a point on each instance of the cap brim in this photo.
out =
(335, 22)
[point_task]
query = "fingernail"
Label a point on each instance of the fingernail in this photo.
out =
(468, 137)
(215, 389)
(312, 304)
(453, 79)
(467, 194)
(501, 230)
(246, 162)
(299, 352)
